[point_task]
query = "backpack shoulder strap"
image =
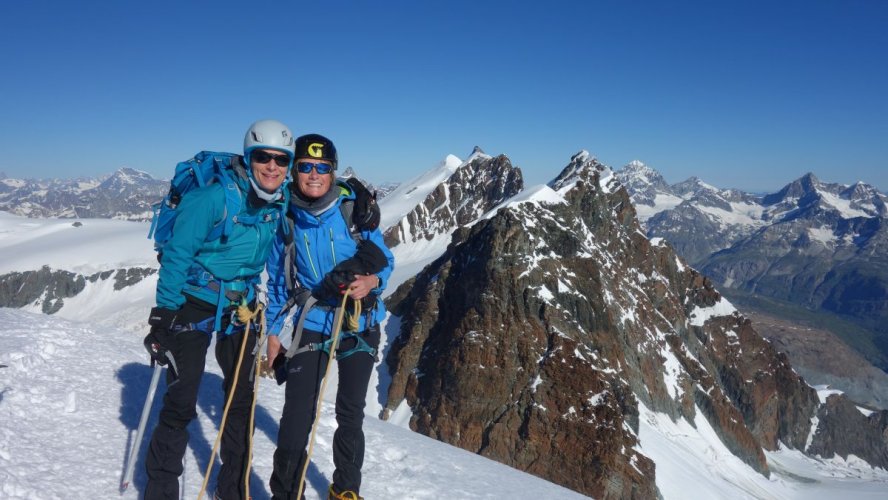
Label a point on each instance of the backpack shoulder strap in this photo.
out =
(347, 209)
(233, 200)
(289, 252)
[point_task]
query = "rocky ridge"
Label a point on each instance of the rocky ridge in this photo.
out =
(480, 184)
(536, 336)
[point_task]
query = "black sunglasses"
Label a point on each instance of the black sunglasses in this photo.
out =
(304, 167)
(263, 157)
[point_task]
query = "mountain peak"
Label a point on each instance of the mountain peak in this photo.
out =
(643, 182)
(804, 186)
(582, 167)
(809, 178)
(477, 153)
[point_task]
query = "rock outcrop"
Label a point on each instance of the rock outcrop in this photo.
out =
(49, 287)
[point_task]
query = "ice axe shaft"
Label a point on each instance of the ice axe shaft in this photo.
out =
(149, 399)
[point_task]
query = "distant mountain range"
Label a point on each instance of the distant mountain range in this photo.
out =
(126, 194)
(822, 246)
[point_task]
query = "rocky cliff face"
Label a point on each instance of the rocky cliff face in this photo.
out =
(49, 287)
(482, 183)
(843, 430)
(536, 336)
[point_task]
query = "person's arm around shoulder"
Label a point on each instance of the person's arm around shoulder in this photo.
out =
(277, 294)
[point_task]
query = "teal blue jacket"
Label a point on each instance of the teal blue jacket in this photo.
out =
(189, 263)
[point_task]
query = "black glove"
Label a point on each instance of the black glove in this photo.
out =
(369, 259)
(365, 215)
(160, 339)
(163, 318)
(334, 284)
(157, 349)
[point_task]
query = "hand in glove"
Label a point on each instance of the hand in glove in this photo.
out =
(162, 318)
(156, 348)
(369, 259)
(335, 283)
(159, 340)
(365, 215)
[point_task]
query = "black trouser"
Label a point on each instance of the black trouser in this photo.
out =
(304, 374)
(170, 439)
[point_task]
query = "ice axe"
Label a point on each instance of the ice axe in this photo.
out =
(149, 399)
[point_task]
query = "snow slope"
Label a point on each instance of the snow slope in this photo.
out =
(95, 245)
(406, 196)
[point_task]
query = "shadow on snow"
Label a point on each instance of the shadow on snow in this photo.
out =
(135, 378)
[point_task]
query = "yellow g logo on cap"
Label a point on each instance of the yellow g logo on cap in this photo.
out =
(316, 150)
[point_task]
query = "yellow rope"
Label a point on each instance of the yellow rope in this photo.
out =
(259, 342)
(314, 426)
(248, 315)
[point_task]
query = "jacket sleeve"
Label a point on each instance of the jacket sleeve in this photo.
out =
(198, 212)
(376, 237)
(277, 285)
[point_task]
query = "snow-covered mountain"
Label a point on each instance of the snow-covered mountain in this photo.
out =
(699, 219)
(823, 246)
(125, 194)
(696, 218)
(678, 387)
(57, 409)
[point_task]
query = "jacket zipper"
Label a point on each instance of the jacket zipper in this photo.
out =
(332, 248)
(308, 254)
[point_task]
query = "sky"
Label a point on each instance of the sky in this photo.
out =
(750, 94)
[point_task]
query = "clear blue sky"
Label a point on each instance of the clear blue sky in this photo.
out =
(747, 94)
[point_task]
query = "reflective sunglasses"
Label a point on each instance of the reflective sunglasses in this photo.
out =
(304, 167)
(263, 157)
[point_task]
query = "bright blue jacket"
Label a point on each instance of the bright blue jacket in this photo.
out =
(189, 263)
(320, 242)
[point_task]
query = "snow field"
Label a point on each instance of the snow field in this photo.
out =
(72, 393)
